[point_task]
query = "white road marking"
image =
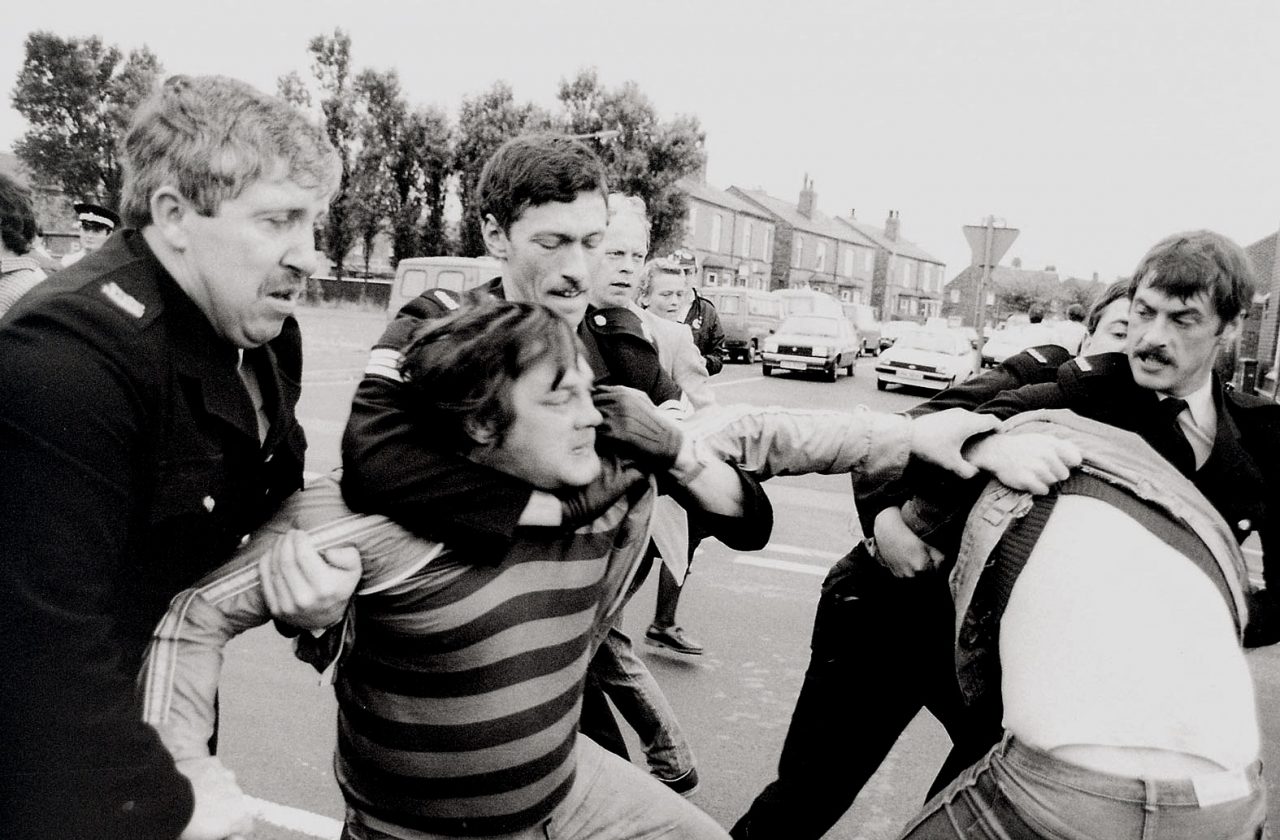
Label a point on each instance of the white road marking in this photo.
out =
(780, 565)
(296, 819)
(796, 550)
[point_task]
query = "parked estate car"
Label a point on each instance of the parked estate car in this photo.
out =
(415, 275)
(813, 342)
(890, 330)
(748, 317)
(926, 359)
(865, 324)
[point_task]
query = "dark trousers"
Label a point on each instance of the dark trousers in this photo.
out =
(881, 652)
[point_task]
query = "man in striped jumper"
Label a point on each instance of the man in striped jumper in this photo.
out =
(460, 685)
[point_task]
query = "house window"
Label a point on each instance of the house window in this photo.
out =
(844, 295)
(955, 295)
(906, 273)
(712, 279)
(693, 220)
(797, 251)
(847, 270)
(768, 244)
(746, 239)
(820, 258)
(716, 222)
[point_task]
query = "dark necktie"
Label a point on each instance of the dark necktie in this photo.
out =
(1180, 454)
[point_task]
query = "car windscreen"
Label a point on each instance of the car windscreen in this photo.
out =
(811, 325)
(933, 342)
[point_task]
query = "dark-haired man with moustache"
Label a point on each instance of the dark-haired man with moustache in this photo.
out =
(1184, 304)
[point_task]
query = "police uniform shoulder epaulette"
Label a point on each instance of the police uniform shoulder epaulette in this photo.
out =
(614, 321)
(1036, 364)
(138, 303)
(1101, 365)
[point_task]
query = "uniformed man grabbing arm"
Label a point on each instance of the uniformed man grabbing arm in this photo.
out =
(146, 425)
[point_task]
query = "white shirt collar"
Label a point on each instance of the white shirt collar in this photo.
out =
(1200, 404)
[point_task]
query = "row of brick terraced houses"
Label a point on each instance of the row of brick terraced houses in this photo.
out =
(750, 238)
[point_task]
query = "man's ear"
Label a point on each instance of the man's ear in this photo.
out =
(495, 238)
(170, 212)
(481, 433)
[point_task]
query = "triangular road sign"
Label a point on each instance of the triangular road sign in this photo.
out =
(1001, 240)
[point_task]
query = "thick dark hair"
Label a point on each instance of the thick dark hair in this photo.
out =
(535, 169)
(458, 370)
(1199, 262)
(1035, 314)
(1075, 312)
(17, 218)
(1111, 294)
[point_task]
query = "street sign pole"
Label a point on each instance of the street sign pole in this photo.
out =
(984, 281)
(988, 244)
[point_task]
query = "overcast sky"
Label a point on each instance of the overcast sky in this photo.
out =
(1093, 126)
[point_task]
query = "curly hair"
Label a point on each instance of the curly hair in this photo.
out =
(210, 137)
(458, 370)
(17, 217)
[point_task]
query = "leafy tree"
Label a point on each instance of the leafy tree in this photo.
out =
(403, 168)
(77, 96)
(485, 122)
(331, 67)
(646, 158)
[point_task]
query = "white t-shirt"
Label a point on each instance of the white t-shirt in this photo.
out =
(1112, 638)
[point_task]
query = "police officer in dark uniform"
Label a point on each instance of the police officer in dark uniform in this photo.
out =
(887, 641)
(147, 425)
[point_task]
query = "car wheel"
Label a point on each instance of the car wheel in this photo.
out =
(881, 385)
(849, 367)
(766, 369)
(833, 372)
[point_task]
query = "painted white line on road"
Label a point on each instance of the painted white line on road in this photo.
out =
(296, 819)
(782, 548)
(780, 565)
(726, 384)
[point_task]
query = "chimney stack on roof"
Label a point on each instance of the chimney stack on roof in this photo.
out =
(808, 198)
(891, 226)
(853, 213)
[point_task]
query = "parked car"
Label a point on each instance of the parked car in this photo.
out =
(890, 330)
(415, 275)
(865, 324)
(748, 317)
(934, 359)
(824, 343)
(1006, 342)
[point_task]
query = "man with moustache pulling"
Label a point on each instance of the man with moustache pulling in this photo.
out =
(147, 425)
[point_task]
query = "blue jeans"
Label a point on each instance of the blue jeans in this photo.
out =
(1018, 791)
(611, 799)
(629, 684)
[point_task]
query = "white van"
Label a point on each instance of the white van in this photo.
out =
(416, 275)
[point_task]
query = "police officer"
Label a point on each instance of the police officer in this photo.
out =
(152, 427)
(96, 224)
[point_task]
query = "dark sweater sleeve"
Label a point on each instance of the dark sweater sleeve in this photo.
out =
(79, 761)
(390, 466)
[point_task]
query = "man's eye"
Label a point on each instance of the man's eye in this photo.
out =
(614, 255)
